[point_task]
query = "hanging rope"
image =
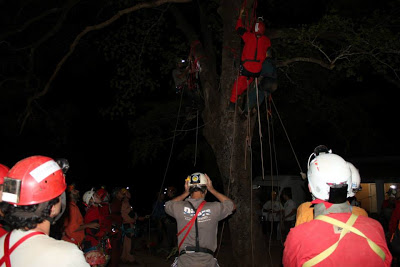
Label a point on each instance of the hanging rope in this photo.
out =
(170, 155)
(259, 129)
(248, 129)
(250, 20)
(197, 133)
(251, 206)
(272, 175)
(287, 136)
(275, 160)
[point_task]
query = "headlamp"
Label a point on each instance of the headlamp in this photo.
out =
(11, 190)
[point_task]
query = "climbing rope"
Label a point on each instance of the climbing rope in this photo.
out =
(250, 20)
(275, 160)
(272, 177)
(197, 133)
(259, 129)
(251, 206)
(287, 136)
(169, 158)
(248, 128)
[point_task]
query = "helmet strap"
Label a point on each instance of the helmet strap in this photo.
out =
(63, 199)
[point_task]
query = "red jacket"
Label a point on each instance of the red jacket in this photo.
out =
(105, 217)
(71, 223)
(255, 48)
(307, 240)
(93, 235)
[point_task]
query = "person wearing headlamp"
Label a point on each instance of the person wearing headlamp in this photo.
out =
(198, 221)
(35, 198)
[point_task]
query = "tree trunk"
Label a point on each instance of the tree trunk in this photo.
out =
(227, 135)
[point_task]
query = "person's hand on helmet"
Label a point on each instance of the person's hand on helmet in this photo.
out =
(187, 181)
(209, 183)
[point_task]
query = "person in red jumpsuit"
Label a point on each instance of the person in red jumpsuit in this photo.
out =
(93, 235)
(335, 237)
(256, 45)
(104, 210)
(74, 229)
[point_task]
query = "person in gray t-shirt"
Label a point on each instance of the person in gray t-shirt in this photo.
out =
(183, 209)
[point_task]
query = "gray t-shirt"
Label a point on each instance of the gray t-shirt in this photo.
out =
(207, 219)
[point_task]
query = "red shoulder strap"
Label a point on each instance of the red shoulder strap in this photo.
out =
(190, 224)
(8, 250)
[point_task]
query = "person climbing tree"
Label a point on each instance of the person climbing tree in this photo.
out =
(254, 52)
(180, 76)
(268, 83)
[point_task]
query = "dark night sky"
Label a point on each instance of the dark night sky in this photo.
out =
(97, 148)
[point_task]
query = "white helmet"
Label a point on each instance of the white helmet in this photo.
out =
(328, 171)
(88, 196)
(355, 180)
(197, 179)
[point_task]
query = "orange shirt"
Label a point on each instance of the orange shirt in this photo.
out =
(71, 223)
(305, 213)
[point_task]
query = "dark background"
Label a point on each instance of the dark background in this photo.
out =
(138, 149)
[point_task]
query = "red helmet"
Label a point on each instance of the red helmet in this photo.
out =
(3, 172)
(103, 194)
(33, 180)
(259, 28)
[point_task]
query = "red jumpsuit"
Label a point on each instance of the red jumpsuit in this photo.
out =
(105, 217)
(93, 235)
(253, 54)
(71, 223)
(307, 240)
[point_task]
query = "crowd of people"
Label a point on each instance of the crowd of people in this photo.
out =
(93, 229)
(97, 228)
(278, 216)
(106, 227)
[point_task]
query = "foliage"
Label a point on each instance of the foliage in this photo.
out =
(143, 58)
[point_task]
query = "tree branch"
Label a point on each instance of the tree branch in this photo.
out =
(5, 35)
(288, 62)
(80, 36)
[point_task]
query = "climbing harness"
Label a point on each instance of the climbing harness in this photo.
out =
(7, 250)
(346, 228)
(190, 225)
